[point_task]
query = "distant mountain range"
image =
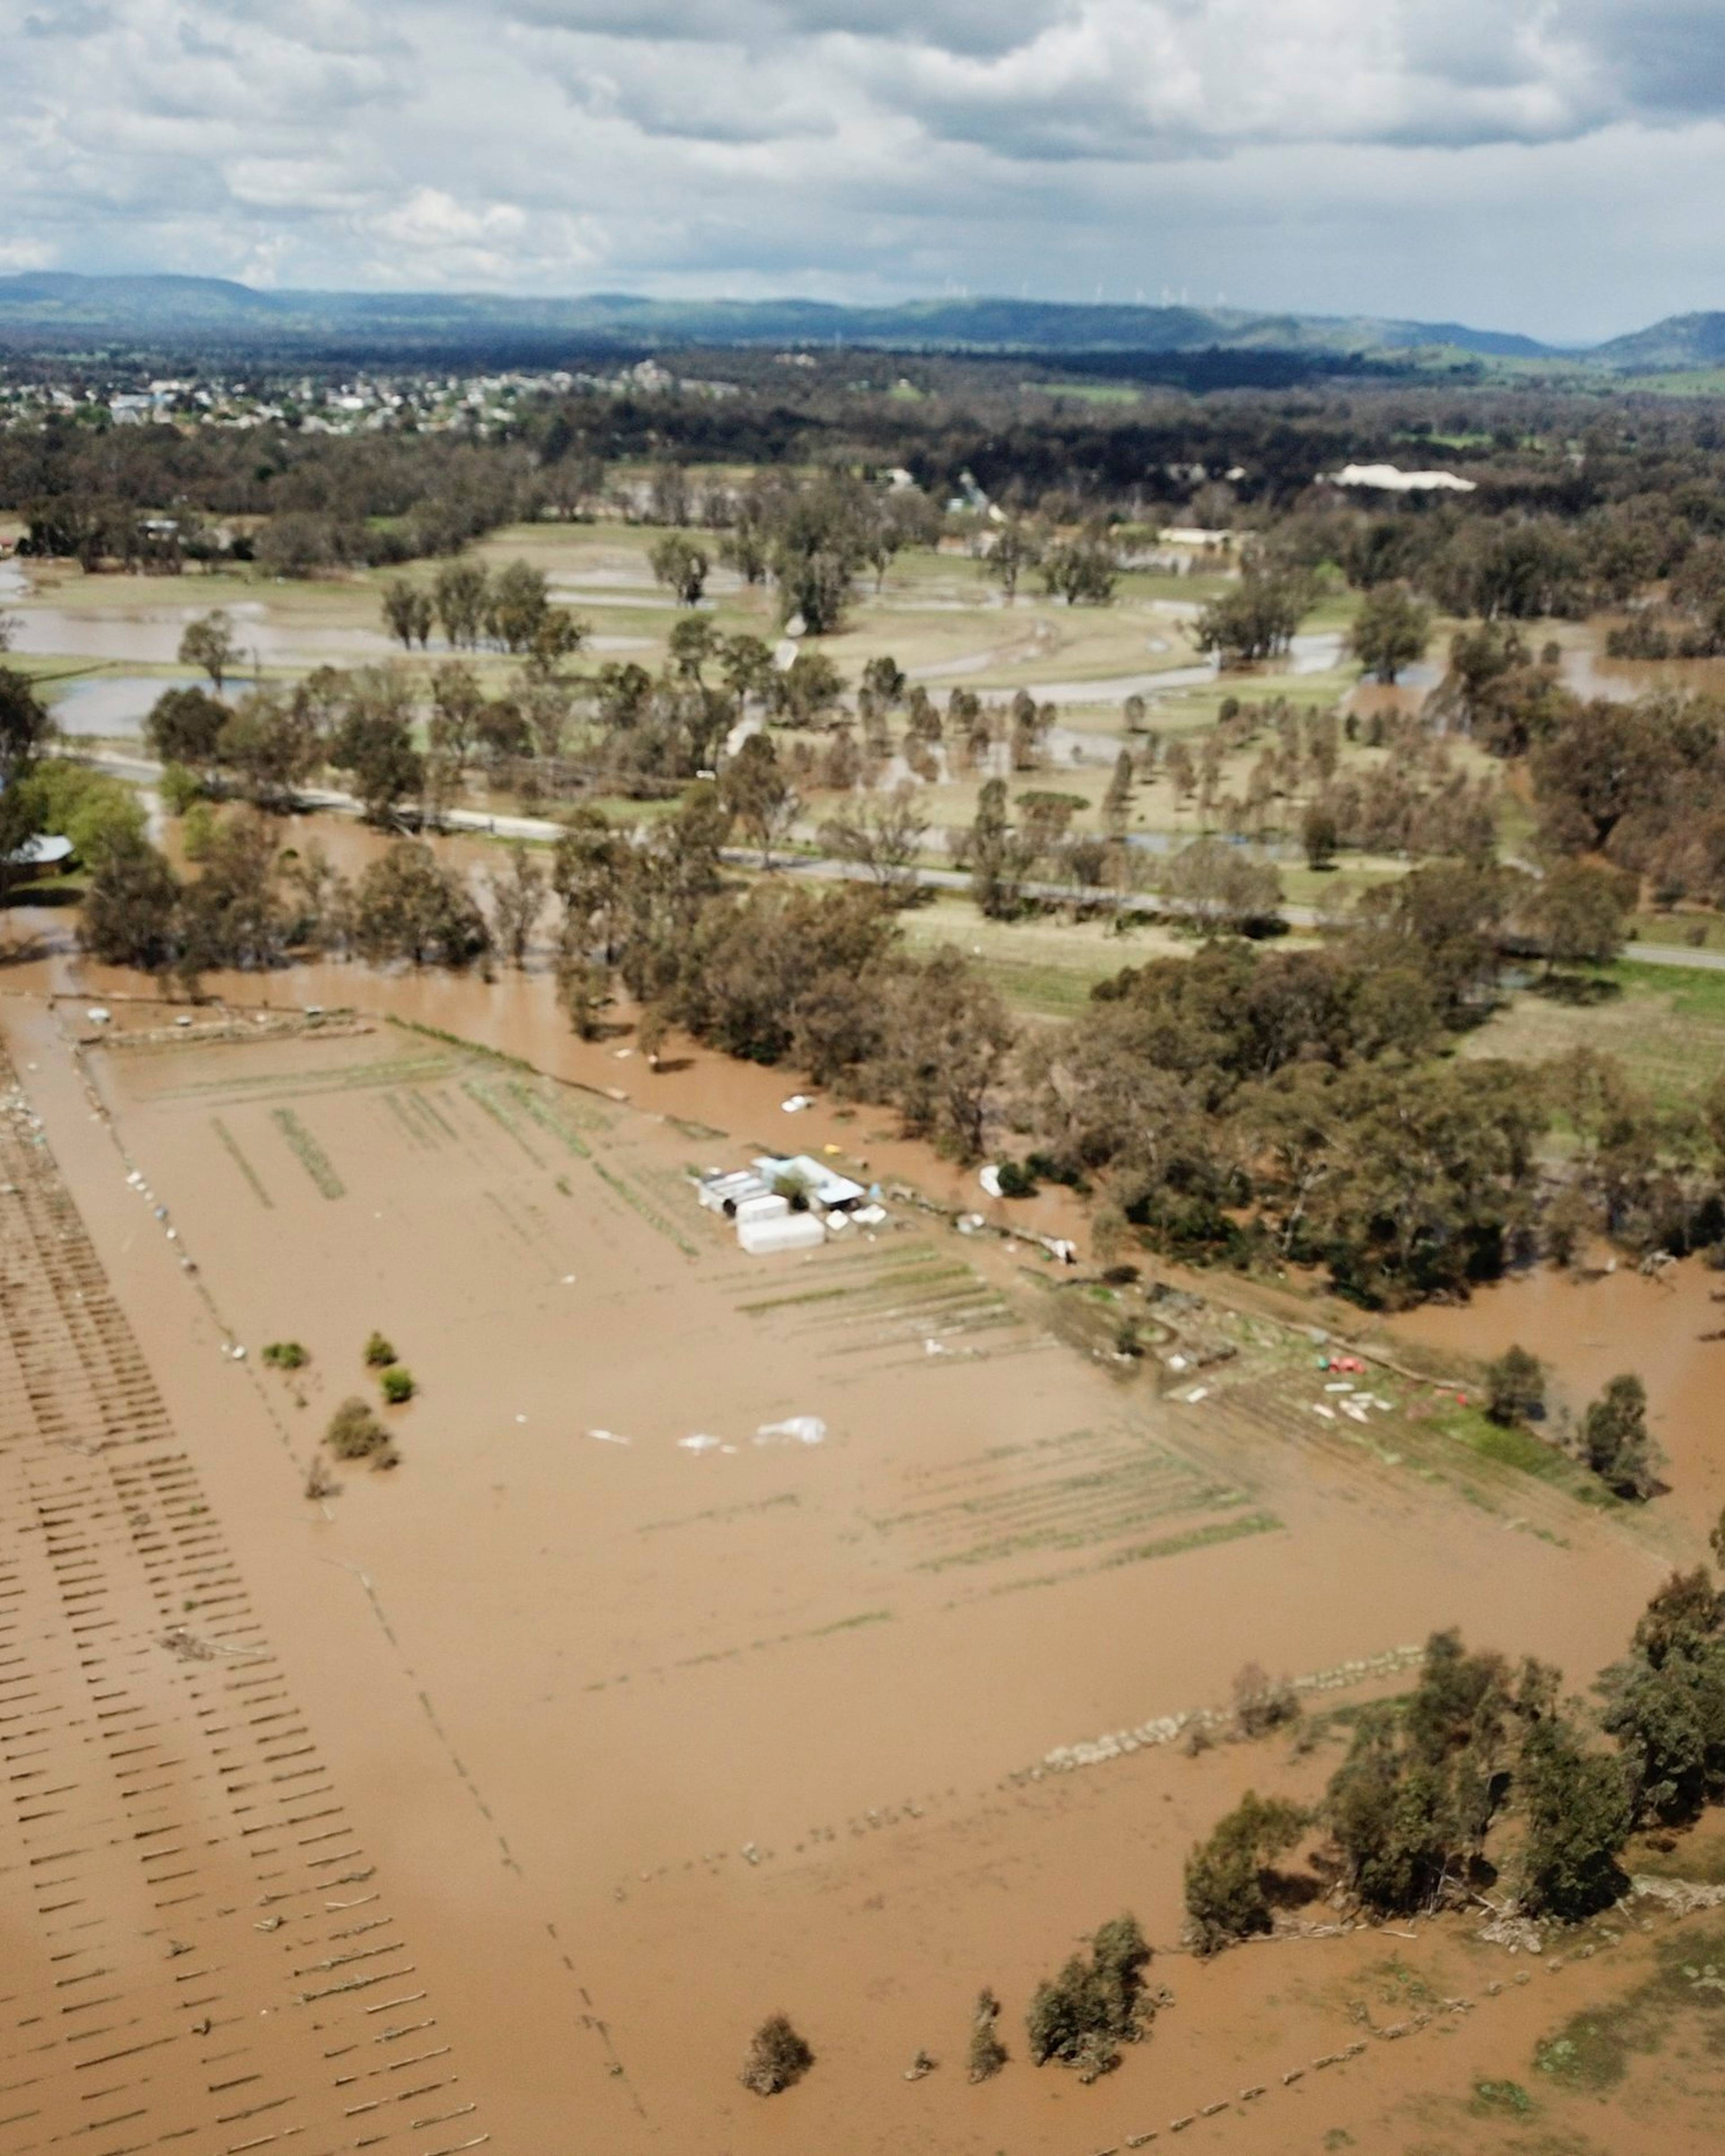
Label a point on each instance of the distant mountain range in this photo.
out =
(59, 311)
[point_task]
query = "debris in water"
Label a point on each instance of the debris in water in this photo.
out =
(795, 1429)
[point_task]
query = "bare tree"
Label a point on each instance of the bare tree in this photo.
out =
(883, 838)
(517, 896)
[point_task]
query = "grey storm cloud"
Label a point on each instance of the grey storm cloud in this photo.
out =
(1542, 162)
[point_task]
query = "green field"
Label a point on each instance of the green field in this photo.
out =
(1666, 1024)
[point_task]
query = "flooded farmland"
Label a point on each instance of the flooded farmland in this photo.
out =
(836, 1633)
(608, 1683)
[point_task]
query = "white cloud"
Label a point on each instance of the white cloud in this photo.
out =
(1536, 163)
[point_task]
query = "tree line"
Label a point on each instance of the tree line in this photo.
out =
(1484, 1777)
(1575, 506)
(1245, 1105)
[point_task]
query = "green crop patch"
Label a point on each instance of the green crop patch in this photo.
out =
(231, 1145)
(310, 1154)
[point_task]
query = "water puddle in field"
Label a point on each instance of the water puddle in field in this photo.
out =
(107, 705)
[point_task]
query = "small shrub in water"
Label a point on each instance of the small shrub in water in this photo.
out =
(776, 2058)
(379, 1354)
(397, 1385)
(354, 1433)
(1262, 1702)
(987, 2054)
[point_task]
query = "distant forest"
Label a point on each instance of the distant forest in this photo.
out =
(1586, 499)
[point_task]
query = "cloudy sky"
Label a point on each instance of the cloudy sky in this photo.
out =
(1553, 165)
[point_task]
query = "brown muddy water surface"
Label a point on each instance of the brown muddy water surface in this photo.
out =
(1586, 1328)
(492, 1801)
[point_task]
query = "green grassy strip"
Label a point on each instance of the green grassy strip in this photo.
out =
(882, 1284)
(826, 1631)
(798, 1302)
(410, 1123)
(1523, 1453)
(242, 1163)
(428, 1108)
(265, 1085)
(547, 1118)
(1692, 992)
(479, 1052)
(1220, 1531)
(482, 1099)
(715, 1513)
(310, 1154)
(650, 1214)
(509, 1220)
(1084, 1537)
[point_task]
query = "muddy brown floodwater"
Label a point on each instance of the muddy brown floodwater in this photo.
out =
(624, 1715)
(1586, 1326)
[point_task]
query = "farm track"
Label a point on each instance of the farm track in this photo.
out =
(200, 1956)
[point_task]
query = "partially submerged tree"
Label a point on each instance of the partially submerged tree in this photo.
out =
(517, 893)
(354, 1433)
(945, 1035)
(987, 2054)
(583, 989)
(1263, 1703)
(184, 726)
(1515, 1386)
(1390, 631)
(1410, 1806)
(1226, 1891)
(1257, 617)
(1578, 1811)
(210, 644)
(1616, 1442)
(681, 566)
(373, 742)
(235, 914)
(1665, 1703)
(1082, 2016)
(131, 911)
(408, 905)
